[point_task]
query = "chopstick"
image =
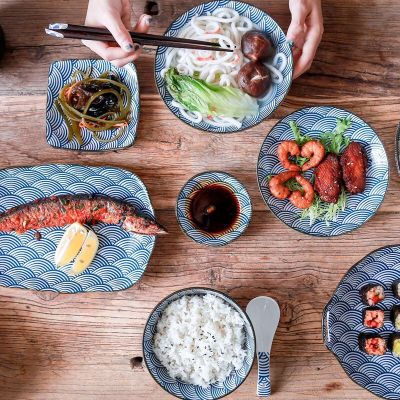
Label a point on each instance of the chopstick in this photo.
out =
(70, 31)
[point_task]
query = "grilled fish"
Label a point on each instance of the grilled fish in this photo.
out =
(67, 209)
(328, 177)
(354, 166)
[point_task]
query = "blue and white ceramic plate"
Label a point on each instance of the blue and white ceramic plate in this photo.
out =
(342, 322)
(264, 23)
(183, 208)
(189, 391)
(313, 121)
(29, 263)
(60, 74)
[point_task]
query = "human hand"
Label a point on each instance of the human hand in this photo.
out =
(305, 31)
(115, 15)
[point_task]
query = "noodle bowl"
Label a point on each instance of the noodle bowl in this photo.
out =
(226, 27)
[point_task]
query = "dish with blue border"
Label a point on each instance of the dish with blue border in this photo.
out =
(190, 391)
(200, 181)
(28, 263)
(60, 74)
(265, 23)
(360, 207)
(342, 322)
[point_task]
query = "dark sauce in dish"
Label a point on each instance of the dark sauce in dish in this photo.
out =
(214, 208)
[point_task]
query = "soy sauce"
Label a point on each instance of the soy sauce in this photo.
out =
(214, 208)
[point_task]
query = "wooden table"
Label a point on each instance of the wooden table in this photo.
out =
(84, 346)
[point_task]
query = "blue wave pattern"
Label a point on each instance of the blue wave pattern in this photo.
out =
(264, 379)
(28, 263)
(266, 24)
(60, 74)
(190, 391)
(313, 121)
(183, 208)
(342, 323)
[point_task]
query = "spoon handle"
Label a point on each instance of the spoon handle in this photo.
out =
(264, 380)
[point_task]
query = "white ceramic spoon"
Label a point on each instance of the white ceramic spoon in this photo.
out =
(264, 314)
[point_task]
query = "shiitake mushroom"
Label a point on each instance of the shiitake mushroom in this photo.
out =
(256, 46)
(254, 78)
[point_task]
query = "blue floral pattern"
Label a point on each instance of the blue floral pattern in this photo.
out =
(29, 263)
(313, 121)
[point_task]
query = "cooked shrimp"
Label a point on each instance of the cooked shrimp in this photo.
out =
(313, 150)
(305, 199)
(285, 149)
(277, 184)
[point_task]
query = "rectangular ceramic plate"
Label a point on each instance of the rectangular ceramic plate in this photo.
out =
(29, 263)
(60, 74)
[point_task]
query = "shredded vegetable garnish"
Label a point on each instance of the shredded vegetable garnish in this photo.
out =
(97, 104)
(322, 211)
(298, 137)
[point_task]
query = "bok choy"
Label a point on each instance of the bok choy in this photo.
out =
(209, 99)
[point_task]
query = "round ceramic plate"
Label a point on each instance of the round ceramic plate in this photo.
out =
(60, 74)
(189, 391)
(29, 263)
(342, 323)
(183, 208)
(313, 121)
(266, 24)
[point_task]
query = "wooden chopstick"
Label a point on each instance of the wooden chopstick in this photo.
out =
(92, 33)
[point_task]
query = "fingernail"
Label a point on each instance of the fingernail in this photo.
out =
(128, 47)
(147, 19)
(137, 47)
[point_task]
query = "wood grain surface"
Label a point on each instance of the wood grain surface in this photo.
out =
(84, 346)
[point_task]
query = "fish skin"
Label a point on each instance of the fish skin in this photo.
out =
(84, 208)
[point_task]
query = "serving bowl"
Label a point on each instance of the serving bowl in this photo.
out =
(200, 181)
(313, 121)
(342, 323)
(60, 74)
(266, 24)
(189, 391)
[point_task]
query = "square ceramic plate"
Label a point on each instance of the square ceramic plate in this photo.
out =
(60, 74)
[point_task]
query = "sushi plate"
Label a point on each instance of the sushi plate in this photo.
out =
(60, 74)
(26, 262)
(342, 323)
(313, 121)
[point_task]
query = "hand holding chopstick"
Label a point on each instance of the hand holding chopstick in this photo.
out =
(115, 16)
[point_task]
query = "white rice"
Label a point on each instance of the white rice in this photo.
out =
(200, 339)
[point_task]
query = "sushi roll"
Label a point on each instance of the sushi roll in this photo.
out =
(372, 294)
(396, 288)
(396, 317)
(396, 345)
(373, 345)
(373, 318)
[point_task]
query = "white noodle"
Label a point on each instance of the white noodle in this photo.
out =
(226, 27)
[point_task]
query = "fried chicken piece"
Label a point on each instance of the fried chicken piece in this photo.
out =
(354, 166)
(328, 177)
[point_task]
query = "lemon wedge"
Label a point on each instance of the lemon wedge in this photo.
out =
(87, 253)
(70, 244)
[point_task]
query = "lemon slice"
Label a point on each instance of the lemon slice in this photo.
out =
(87, 253)
(70, 244)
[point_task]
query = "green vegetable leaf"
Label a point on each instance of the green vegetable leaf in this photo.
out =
(298, 137)
(208, 99)
(293, 185)
(335, 142)
(300, 161)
